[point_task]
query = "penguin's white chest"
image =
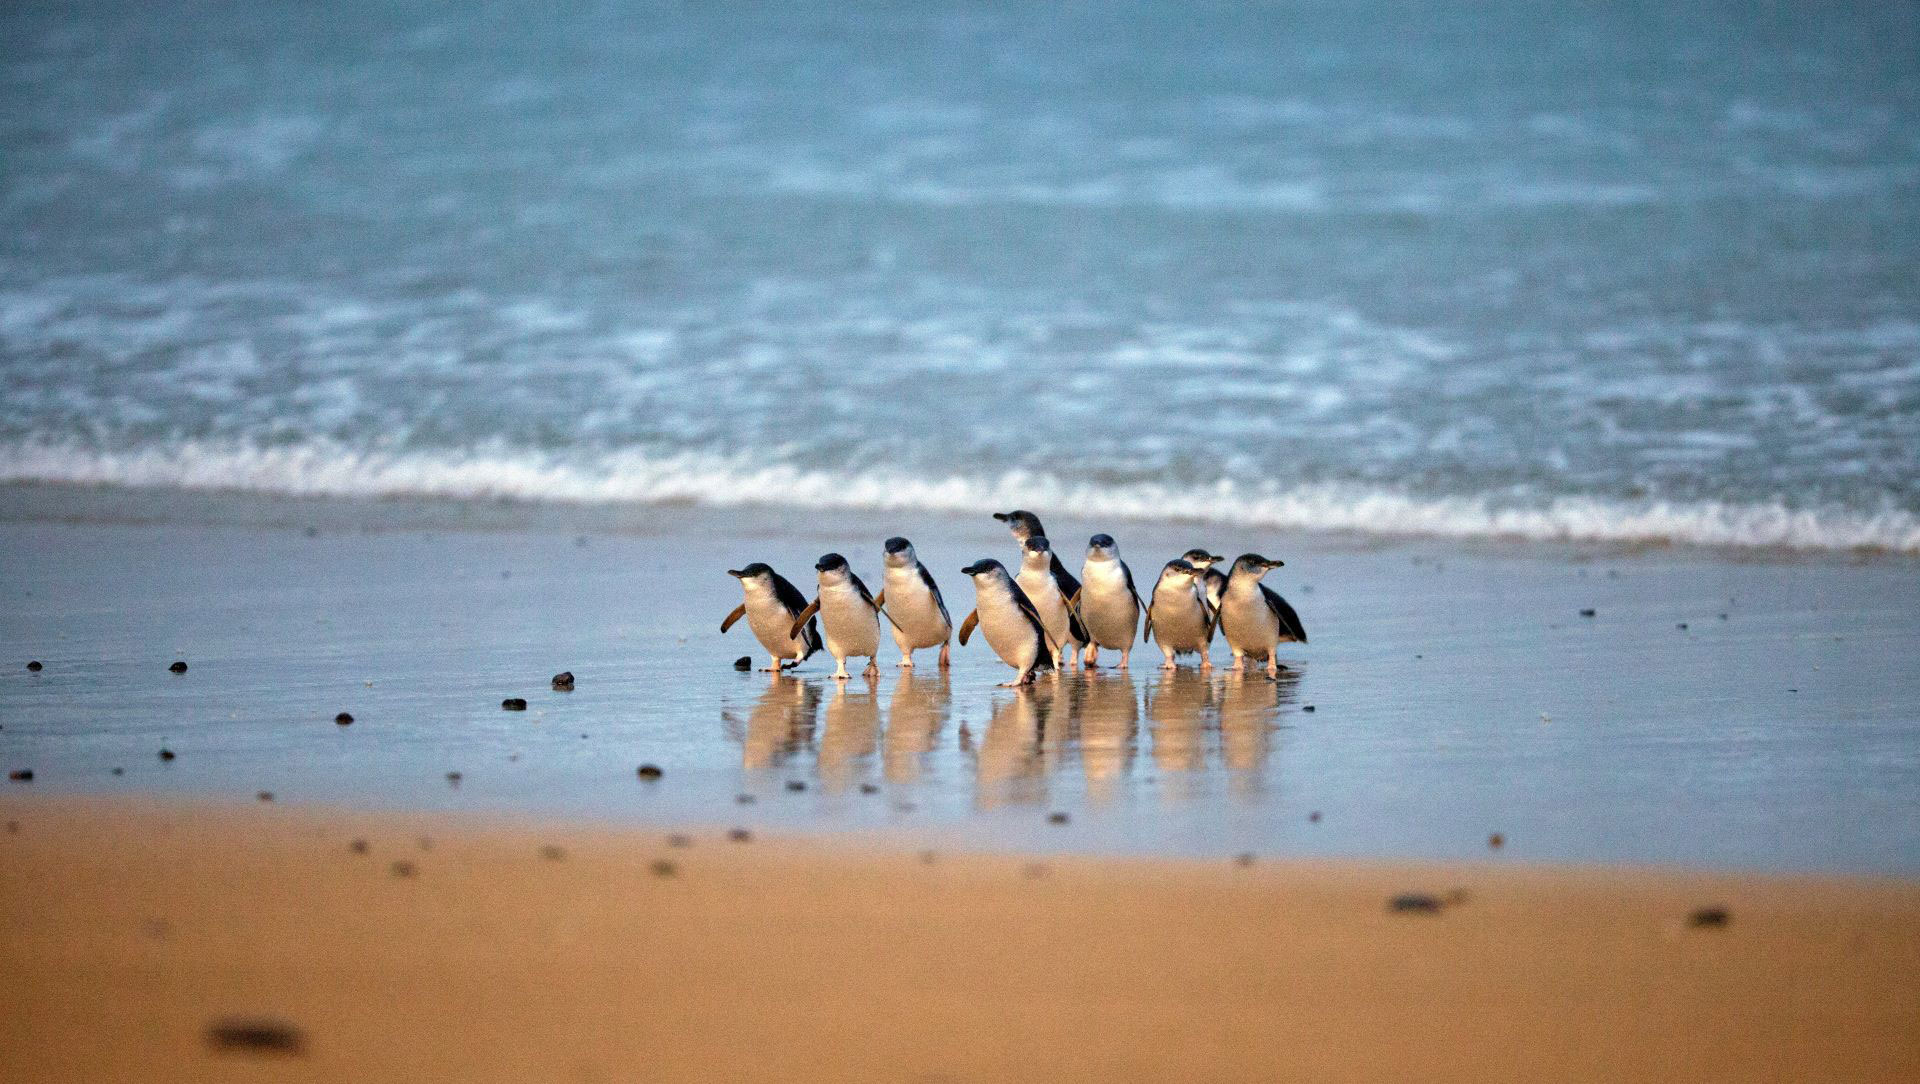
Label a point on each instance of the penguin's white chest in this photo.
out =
(1045, 595)
(911, 605)
(1250, 627)
(1106, 606)
(851, 626)
(1008, 630)
(772, 625)
(1177, 620)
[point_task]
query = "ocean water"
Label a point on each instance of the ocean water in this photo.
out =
(1629, 272)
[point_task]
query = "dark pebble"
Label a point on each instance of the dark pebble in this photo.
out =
(1306, 707)
(740, 835)
(744, 662)
(119, 771)
(1414, 903)
(256, 1036)
(403, 868)
(1496, 841)
(649, 771)
(265, 796)
(869, 788)
(563, 681)
(34, 667)
(796, 785)
(454, 778)
(343, 719)
(1057, 818)
(927, 858)
(1709, 918)
(513, 703)
(552, 853)
(664, 868)
(744, 799)
(166, 754)
(178, 668)
(358, 846)
(1723, 617)
(1314, 817)
(679, 841)
(1588, 613)
(1682, 626)
(1244, 858)
(21, 775)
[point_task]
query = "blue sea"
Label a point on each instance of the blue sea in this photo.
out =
(1633, 272)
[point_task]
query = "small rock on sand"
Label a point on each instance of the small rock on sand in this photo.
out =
(21, 775)
(744, 799)
(1244, 858)
(869, 788)
(513, 703)
(796, 785)
(178, 668)
(649, 771)
(358, 846)
(403, 868)
(1414, 903)
(1314, 817)
(256, 1036)
(563, 681)
(1057, 818)
(119, 771)
(1588, 612)
(1306, 707)
(678, 840)
(552, 853)
(343, 719)
(743, 663)
(1496, 841)
(454, 778)
(166, 754)
(34, 667)
(740, 835)
(265, 796)
(1709, 918)
(664, 868)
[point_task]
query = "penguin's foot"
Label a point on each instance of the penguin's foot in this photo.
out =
(946, 655)
(1206, 663)
(1239, 664)
(1273, 669)
(873, 669)
(906, 661)
(1168, 665)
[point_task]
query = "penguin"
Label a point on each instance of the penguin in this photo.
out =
(849, 612)
(1108, 604)
(1049, 596)
(1178, 611)
(913, 604)
(1254, 619)
(1025, 525)
(772, 610)
(1211, 578)
(1011, 624)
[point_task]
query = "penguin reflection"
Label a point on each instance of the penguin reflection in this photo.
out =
(1010, 764)
(781, 723)
(1179, 709)
(850, 736)
(915, 717)
(1109, 720)
(1249, 714)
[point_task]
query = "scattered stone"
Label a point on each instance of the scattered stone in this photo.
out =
(649, 771)
(869, 788)
(166, 754)
(552, 853)
(34, 667)
(265, 796)
(119, 771)
(513, 703)
(744, 799)
(1682, 626)
(256, 1036)
(1588, 612)
(454, 778)
(796, 785)
(358, 846)
(1709, 918)
(563, 681)
(927, 858)
(1057, 818)
(743, 663)
(21, 775)
(343, 719)
(1496, 841)
(1306, 708)
(1244, 858)
(740, 835)
(664, 868)
(677, 840)
(179, 667)
(1314, 817)
(1723, 617)
(1414, 903)
(403, 868)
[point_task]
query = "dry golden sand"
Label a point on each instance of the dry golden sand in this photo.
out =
(128, 929)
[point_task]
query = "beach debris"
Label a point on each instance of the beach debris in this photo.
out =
(1313, 817)
(1414, 903)
(343, 719)
(513, 703)
(34, 667)
(403, 868)
(744, 663)
(358, 846)
(796, 785)
(454, 779)
(1058, 818)
(744, 799)
(1682, 626)
(179, 667)
(1244, 858)
(927, 858)
(265, 796)
(1496, 841)
(740, 835)
(166, 754)
(1306, 707)
(119, 771)
(256, 1036)
(552, 853)
(678, 840)
(649, 771)
(563, 681)
(21, 775)
(664, 868)
(869, 788)
(1589, 612)
(1709, 918)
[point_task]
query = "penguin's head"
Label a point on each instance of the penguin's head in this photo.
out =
(984, 568)
(1255, 565)
(832, 568)
(1023, 524)
(756, 575)
(1101, 547)
(1179, 573)
(1201, 559)
(1035, 551)
(900, 553)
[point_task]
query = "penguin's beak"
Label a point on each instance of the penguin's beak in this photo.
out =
(736, 573)
(1003, 516)
(974, 569)
(1276, 564)
(819, 566)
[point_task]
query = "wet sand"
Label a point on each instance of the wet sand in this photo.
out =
(459, 949)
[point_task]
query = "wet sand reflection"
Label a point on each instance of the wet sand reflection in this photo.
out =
(851, 735)
(915, 716)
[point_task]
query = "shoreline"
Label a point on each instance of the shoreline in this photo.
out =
(458, 949)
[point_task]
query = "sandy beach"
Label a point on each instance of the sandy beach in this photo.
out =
(471, 950)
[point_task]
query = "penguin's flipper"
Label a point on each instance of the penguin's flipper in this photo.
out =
(800, 622)
(880, 599)
(1146, 612)
(966, 627)
(739, 612)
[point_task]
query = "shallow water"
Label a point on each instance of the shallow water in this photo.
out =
(1638, 272)
(1456, 695)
